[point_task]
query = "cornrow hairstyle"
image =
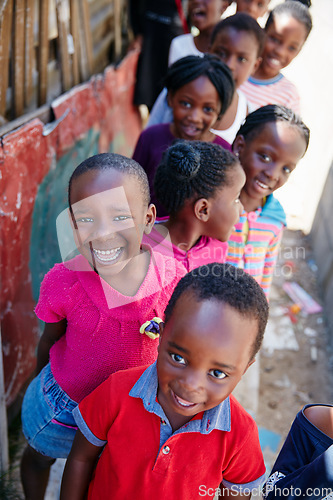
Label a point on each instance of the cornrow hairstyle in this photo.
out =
(108, 161)
(256, 121)
(295, 9)
(191, 170)
(189, 68)
(241, 22)
(227, 284)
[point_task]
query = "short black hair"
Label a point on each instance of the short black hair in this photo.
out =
(227, 284)
(304, 2)
(297, 10)
(191, 170)
(189, 68)
(242, 22)
(108, 161)
(256, 121)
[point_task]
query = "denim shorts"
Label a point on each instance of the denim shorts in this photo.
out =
(47, 419)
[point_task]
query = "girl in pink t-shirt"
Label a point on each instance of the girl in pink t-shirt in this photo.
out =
(199, 184)
(93, 306)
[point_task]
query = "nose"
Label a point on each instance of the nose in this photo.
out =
(195, 115)
(192, 381)
(103, 230)
(273, 172)
(231, 63)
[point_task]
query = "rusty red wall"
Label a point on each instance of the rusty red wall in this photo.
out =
(97, 116)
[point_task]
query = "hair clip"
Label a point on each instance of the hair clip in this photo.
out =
(151, 328)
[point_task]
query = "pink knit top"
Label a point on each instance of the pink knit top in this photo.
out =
(103, 325)
(205, 251)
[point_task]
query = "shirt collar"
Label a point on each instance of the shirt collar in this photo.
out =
(146, 389)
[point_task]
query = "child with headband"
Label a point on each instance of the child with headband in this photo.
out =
(198, 184)
(173, 429)
(269, 145)
(93, 306)
(287, 28)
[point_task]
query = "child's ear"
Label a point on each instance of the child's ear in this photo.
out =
(201, 209)
(249, 364)
(238, 145)
(256, 65)
(150, 218)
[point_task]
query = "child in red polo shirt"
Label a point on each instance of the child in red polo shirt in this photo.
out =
(172, 429)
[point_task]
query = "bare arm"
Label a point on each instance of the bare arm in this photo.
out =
(79, 468)
(52, 333)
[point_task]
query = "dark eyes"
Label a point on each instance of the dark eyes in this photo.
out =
(217, 374)
(177, 358)
(287, 170)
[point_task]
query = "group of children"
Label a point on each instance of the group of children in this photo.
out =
(150, 328)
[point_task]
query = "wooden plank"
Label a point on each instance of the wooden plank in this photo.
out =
(117, 29)
(5, 40)
(86, 49)
(43, 52)
(74, 28)
(3, 419)
(62, 11)
(29, 49)
(18, 66)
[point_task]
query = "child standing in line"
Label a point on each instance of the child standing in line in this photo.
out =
(238, 41)
(269, 145)
(203, 15)
(93, 306)
(200, 89)
(254, 8)
(304, 467)
(287, 28)
(198, 183)
(173, 430)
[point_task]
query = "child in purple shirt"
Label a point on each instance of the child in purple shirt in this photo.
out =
(200, 89)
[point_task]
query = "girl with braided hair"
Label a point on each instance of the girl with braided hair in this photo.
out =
(269, 145)
(198, 183)
(200, 89)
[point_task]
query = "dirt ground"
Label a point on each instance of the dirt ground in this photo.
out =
(292, 377)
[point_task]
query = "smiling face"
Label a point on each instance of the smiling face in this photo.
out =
(204, 14)
(196, 107)
(204, 351)
(239, 51)
(285, 37)
(254, 8)
(225, 207)
(110, 219)
(268, 159)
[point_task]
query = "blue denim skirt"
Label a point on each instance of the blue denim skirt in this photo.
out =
(47, 419)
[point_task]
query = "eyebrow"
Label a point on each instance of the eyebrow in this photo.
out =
(176, 346)
(84, 209)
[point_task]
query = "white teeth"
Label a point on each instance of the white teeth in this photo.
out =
(182, 402)
(262, 185)
(107, 255)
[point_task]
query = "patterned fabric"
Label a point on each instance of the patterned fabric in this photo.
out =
(254, 243)
(278, 90)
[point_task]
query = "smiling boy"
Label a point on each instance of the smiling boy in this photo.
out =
(173, 430)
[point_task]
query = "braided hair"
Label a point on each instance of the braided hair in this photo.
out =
(241, 22)
(189, 68)
(227, 284)
(191, 170)
(295, 9)
(108, 161)
(255, 122)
